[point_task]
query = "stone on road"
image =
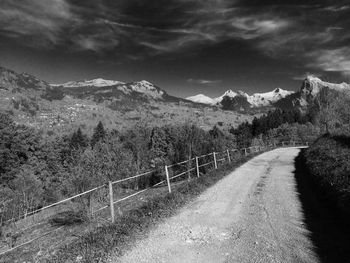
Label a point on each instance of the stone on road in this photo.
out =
(252, 215)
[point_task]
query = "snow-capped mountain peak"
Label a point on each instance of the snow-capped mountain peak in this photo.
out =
(256, 100)
(147, 88)
(200, 98)
(313, 85)
(99, 82)
(242, 93)
(228, 93)
(268, 98)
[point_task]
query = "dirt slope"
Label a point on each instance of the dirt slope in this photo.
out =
(252, 215)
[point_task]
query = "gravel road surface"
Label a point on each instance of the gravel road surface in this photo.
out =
(252, 215)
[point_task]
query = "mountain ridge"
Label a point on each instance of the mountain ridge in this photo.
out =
(61, 108)
(37, 103)
(255, 100)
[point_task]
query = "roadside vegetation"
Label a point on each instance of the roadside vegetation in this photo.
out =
(329, 169)
(327, 159)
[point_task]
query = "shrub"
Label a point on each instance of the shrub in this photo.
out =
(328, 163)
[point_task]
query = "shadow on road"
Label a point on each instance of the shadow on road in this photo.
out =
(330, 232)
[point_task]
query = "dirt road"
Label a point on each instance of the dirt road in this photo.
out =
(252, 215)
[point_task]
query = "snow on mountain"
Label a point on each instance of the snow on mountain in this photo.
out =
(200, 98)
(256, 100)
(312, 85)
(143, 87)
(268, 98)
(99, 82)
(228, 93)
(147, 88)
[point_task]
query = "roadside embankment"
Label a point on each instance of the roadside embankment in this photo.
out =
(328, 164)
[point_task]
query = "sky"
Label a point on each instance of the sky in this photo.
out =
(185, 47)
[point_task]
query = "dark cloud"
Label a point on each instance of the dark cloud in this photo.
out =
(316, 31)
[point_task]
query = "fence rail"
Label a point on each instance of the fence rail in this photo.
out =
(170, 175)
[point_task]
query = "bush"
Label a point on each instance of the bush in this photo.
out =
(328, 163)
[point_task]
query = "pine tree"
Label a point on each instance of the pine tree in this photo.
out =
(78, 140)
(158, 143)
(99, 134)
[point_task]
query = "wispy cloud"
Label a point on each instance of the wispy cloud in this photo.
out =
(38, 21)
(303, 76)
(332, 60)
(204, 81)
(136, 29)
(337, 8)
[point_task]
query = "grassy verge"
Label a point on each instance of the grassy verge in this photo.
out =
(328, 164)
(97, 245)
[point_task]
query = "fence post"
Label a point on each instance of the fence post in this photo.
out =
(228, 155)
(167, 178)
(215, 163)
(189, 168)
(111, 205)
(197, 166)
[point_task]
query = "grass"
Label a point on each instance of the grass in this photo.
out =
(98, 244)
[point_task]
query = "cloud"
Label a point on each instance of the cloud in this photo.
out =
(95, 43)
(337, 60)
(337, 8)
(204, 81)
(35, 20)
(179, 24)
(303, 76)
(255, 26)
(135, 29)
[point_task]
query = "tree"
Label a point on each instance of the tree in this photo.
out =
(159, 145)
(78, 140)
(99, 134)
(17, 145)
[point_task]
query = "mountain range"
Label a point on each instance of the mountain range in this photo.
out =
(255, 100)
(61, 107)
(35, 102)
(279, 98)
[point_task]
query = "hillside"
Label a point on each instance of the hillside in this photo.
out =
(61, 107)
